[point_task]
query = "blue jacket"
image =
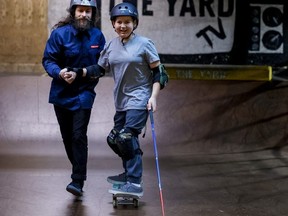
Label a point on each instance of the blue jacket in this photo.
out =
(66, 47)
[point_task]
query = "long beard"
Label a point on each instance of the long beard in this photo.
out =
(83, 24)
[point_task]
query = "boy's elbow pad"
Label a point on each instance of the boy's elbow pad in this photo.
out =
(160, 75)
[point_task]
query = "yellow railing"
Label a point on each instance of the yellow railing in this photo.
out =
(219, 72)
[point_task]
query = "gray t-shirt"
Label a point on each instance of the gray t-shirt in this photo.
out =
(129, 65)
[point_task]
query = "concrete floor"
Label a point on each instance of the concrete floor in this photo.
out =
(203, 173)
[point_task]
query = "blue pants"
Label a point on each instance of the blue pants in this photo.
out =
(134, 121)
(73, 128)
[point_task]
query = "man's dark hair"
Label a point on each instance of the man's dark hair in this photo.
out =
(70, 18)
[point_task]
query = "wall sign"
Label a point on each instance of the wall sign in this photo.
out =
(211, 32)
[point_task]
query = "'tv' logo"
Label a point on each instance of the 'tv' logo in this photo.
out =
(220, 34)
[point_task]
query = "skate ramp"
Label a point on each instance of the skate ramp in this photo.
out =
(223, 116)
(192, 116)
(220, 146)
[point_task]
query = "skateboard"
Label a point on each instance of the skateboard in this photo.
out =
(119, 198)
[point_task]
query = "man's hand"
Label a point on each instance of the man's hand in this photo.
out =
(68, 76)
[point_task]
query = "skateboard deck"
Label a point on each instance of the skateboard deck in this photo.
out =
(119, 198)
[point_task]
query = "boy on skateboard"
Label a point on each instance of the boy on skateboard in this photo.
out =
(138, 75)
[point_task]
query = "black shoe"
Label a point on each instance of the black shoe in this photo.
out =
(75, 187)
(118, 179)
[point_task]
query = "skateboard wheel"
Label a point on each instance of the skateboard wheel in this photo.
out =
(136, 203)
(115, 202)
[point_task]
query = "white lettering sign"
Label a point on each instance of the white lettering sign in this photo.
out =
(182, 26)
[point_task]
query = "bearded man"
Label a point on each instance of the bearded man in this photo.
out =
(75, 42)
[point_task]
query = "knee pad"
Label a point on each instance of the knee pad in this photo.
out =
(111, 140)
(125, 144)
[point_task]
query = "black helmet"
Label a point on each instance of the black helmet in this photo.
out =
(124, 9)
(90, 3)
